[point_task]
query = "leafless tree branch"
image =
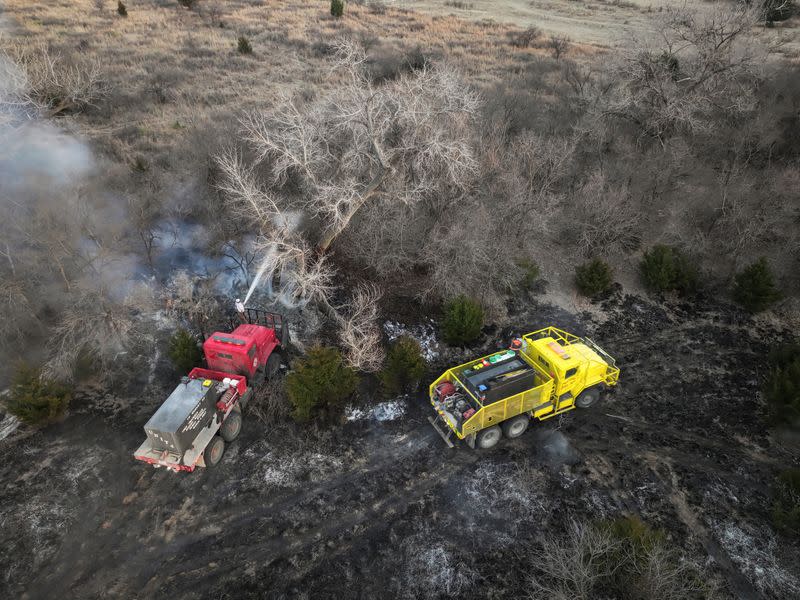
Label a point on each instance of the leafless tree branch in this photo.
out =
(359, 331)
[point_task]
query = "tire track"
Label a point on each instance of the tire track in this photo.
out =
(380, 512)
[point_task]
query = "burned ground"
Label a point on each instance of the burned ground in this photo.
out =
(384, 509)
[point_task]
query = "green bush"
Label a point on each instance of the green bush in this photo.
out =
(636, 537)
(122, 10)
(667, 269)
(319, 383)
(594, 277)
(140, 165)
(244, 46)
(786, 502)
(184, 351)
(35, 400)
(782, 387)
(634, 543)
(530, 274)
(754, 288)
(404, 366)
(463, 321)
(337, 8)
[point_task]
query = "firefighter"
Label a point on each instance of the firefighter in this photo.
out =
(240, 310)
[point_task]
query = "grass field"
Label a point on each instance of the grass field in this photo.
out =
(170, 68)
(599, 22)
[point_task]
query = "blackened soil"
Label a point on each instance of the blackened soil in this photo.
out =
(379, 510)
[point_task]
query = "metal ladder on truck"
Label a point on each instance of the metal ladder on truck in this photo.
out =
(441, 428)
(259, 316)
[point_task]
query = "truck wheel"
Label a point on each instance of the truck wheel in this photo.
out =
(273, 364)
(214, 451)
(513, 428)
(587, 397)
(489, 437)
(231, 427)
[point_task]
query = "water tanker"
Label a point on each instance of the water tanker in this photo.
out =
(191, 427)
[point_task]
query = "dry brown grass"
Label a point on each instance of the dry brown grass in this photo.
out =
(169, 68)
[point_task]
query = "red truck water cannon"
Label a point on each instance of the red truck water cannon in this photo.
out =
(190, 429)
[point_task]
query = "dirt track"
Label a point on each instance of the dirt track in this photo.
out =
(603, 23)
(385, 510)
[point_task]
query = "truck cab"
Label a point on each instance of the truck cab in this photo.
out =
(575, 364)
(251, 349)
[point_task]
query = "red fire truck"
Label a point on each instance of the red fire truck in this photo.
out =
(204, 411)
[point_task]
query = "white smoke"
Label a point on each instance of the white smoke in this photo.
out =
(30, 148)
(64, 251)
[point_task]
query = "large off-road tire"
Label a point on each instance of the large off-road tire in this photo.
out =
(260, 376)
(488, 438)
(231, 427)
(516, 426)
(214, 451)
(587, 397)
(273, 364)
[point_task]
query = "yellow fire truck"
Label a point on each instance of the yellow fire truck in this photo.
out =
(543, 374)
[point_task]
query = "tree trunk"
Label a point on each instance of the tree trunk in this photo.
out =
(372, 188)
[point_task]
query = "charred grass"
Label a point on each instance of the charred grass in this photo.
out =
(377, 508)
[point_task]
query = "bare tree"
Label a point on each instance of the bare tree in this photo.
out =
(777, 10)
(358, 146)
(526, 37)
(94, 325)
(15, 102)
(663, 575)
(300, 274)
(608, 219)
(359, 331)
(143, 212)
(241, 256)
(246, 199)
(558, 45)
(192, 300)
(535, 167)
(476, 247)
(63, 248)
(18, 313)
(516, 208)
(359, 142)
(55, 82)
(582, 78)
(699, 62)
(570, 568)
(591, 560)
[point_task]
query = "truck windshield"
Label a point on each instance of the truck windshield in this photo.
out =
(228, 340)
